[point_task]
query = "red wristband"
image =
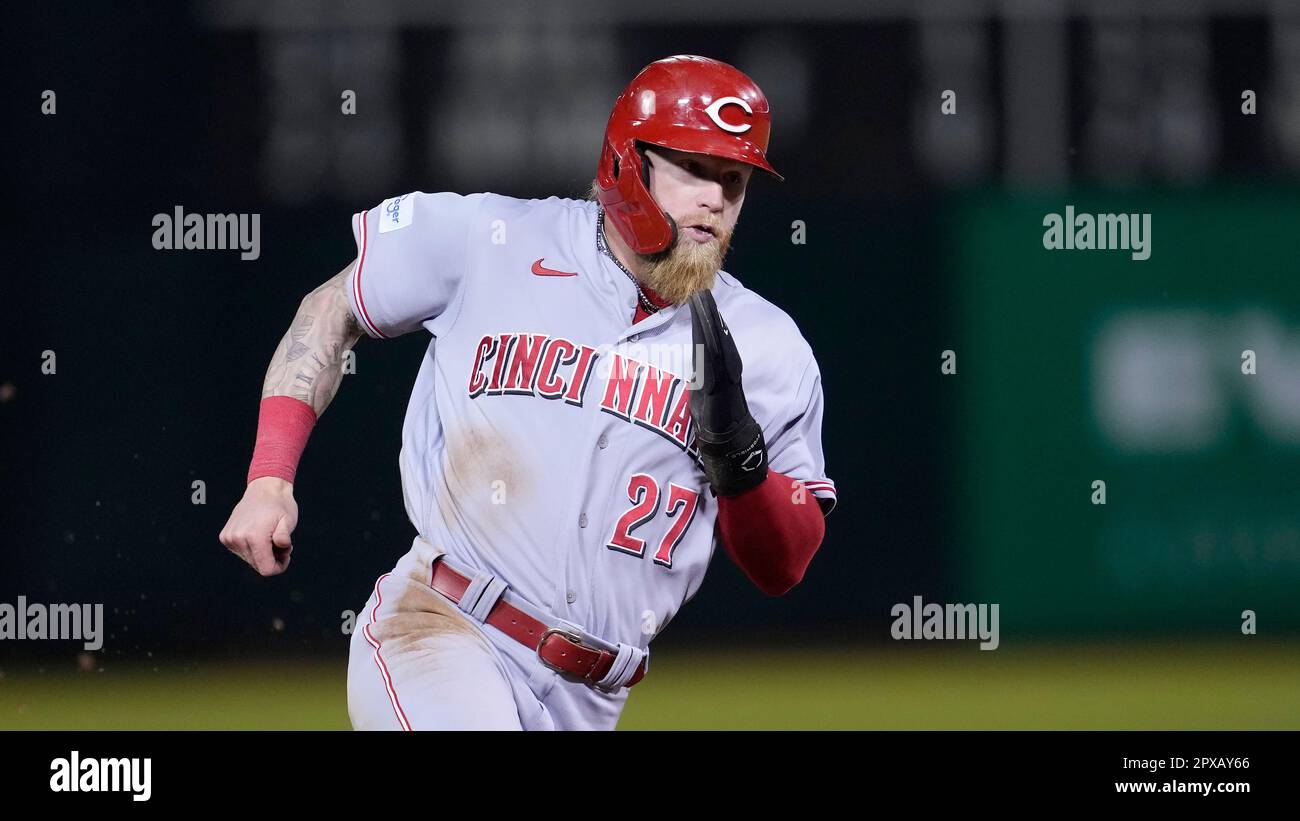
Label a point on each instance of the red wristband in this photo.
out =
(283, 425)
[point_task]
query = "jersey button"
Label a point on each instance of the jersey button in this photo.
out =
(571, 597)
(602, 442)
(634, 337)
(582, 520)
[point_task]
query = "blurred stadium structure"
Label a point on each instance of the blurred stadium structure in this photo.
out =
(1050, 91)
(924, 234)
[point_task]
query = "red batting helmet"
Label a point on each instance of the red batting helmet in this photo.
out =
(685, 103)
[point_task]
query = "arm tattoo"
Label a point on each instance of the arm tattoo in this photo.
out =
(301, 325)
(308, 363)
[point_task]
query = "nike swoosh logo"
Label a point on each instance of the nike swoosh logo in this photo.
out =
(543, 271)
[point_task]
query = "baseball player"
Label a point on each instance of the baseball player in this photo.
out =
(579, 437)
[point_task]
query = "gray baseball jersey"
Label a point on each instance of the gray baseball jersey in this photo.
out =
(548, 439)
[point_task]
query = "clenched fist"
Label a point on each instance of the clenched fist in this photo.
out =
(259, 527)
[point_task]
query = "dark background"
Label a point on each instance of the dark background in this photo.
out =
(235, 108)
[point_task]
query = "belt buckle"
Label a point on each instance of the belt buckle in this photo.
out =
(573, 637)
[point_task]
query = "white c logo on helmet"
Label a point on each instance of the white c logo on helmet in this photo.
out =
(717, 105)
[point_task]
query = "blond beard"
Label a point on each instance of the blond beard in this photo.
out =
(685, 268)
(688, 266)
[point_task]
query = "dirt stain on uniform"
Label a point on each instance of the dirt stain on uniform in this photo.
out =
(483, 471)
(418, 614)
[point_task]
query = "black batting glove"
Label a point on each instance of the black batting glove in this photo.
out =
(730, 442)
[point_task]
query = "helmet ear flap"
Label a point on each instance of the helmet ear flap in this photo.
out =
(625, 196)
(645, 179)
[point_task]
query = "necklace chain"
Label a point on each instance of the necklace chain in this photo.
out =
(646, 305)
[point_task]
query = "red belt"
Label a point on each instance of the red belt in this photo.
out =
(558, 648)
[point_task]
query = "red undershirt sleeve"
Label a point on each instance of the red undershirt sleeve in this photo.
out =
(771, 532)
